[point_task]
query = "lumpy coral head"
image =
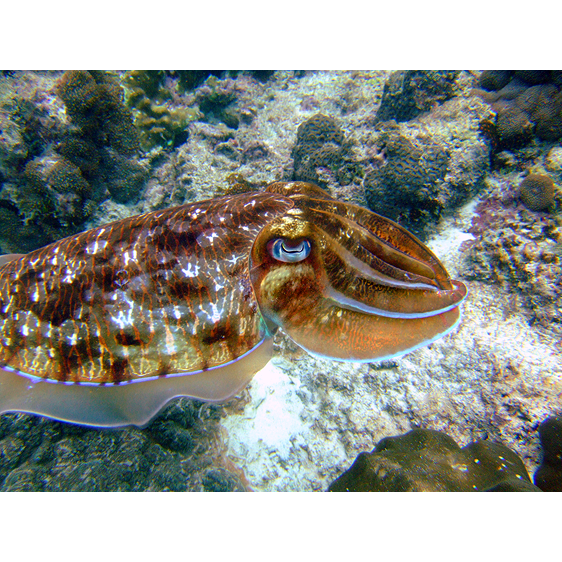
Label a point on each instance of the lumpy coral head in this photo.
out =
(537, 192)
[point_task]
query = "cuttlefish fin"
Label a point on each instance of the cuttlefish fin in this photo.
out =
(6, 258)
(132, 403)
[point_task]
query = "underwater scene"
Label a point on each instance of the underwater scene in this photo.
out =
(280, 280)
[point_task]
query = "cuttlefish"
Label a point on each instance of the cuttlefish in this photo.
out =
(104, 327)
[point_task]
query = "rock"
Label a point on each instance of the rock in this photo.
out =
(424, 460)
(548, 476)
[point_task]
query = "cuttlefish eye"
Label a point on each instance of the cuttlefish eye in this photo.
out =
(286, 250)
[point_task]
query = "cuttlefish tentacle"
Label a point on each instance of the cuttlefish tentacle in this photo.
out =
(383, 288)
(375, 293)
(103, 328)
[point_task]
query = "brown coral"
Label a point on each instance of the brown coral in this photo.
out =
(528, 104)
(94, 102)
(537, 192)
(320, 144)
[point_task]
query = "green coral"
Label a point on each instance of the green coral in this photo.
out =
(158, 122)
(424, 460)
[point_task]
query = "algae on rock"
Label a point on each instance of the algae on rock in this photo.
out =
(159, 122)
(424, 460)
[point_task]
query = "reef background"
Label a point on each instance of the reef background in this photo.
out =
(444, 153)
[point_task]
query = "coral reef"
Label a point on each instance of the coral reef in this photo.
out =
(159, 118)
(159, 105)
(94, 103)
(178, 451)
(303, 420)
(528, 104)
(54, 174)
(548, 476)
(520, 250)
(537, 192)
(408, 93)
(423, 460)
(424, 169)
(322, 144)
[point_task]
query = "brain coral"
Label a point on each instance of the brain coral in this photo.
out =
(320, 144)
(408, 93)
(527, 103)
(424, 460)
(408, 186)
(537, 192)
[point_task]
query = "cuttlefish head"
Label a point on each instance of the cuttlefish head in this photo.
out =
(348, 284)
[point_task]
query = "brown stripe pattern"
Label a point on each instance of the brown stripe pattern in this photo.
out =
(160, 293)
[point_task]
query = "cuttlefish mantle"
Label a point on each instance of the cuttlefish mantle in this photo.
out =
(104, 327)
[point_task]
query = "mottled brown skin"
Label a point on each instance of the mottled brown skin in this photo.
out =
(196, 287)
(159, 293)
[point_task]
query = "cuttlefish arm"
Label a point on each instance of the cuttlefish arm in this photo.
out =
(362, 288)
